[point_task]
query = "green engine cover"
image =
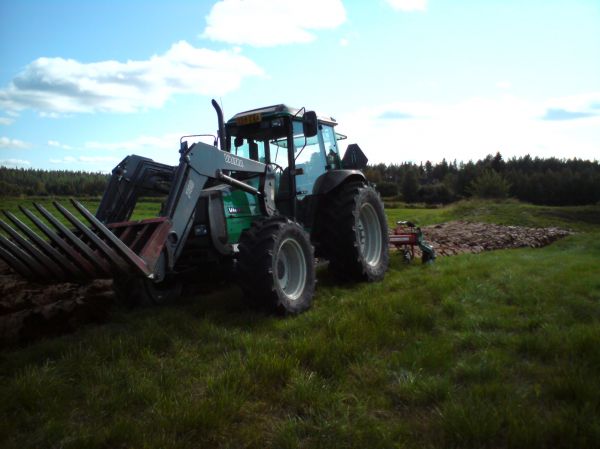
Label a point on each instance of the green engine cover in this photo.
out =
(241, 209)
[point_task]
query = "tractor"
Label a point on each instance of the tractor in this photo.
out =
(263, 203)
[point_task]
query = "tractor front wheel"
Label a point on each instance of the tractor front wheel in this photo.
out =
(277, 265)
(353, 234)
(136, 291)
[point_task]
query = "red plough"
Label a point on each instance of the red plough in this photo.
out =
(406, 236)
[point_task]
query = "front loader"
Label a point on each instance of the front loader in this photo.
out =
(273, 195)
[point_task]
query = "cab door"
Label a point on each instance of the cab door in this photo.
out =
(309, 155)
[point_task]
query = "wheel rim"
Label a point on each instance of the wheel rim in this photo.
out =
(291, 269)
(369, 233)
(164, 291)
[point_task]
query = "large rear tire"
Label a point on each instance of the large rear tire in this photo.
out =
(277, 265)
(352, 233)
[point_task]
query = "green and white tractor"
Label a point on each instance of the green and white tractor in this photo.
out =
(263, 204)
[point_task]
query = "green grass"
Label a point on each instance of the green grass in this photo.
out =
(499, 349)
(507, 212)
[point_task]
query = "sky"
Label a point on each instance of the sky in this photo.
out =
(85, 83)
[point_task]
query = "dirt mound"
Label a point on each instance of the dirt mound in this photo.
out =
(457, 237)
(30, 311)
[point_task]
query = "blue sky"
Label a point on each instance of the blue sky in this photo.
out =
(85, 83)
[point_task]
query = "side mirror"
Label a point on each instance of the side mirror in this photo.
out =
(310, 124)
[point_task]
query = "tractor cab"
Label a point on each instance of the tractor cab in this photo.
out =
(298, 144)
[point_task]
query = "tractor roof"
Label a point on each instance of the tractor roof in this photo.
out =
(278, 110)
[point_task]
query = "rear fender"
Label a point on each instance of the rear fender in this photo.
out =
(334, 178)
(324, 184)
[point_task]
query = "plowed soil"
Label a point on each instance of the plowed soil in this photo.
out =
(457, 237)
(30, 311)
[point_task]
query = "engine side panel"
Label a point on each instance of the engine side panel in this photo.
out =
(241, 209)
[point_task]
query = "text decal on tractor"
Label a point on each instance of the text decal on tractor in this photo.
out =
(262, 205)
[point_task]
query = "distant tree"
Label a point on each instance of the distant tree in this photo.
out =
(373, 174)
(9, 189)
(428, 171)
(50, 182)
(437, 193)
(466, 174)
(410, 187)
(387, 189)
(498, 163)
(440, 170)
(489, 184)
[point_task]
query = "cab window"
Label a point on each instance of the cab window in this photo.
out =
(250, 149)
(329, 139)
(309, 157)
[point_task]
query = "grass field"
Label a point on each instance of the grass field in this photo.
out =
(500, 349)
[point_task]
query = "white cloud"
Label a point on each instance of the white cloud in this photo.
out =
(57, 144)
(503, 84)
(466, 130)
(583, 103)
(14, 163)
(6, 121)
(70, 160)
(57, 86)
(164, 148)
(408, 5)
(66, 159)
(344, 42)
(63, 160)
(266, 23)
(135, 144)
(7, 142)
(50, 114)
(94, 159)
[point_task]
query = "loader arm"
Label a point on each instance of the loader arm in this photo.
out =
(198, 164)
(134, 175)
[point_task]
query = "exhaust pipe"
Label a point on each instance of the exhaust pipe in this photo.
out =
(221, 125)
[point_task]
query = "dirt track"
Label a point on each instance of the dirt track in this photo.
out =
(30, 311)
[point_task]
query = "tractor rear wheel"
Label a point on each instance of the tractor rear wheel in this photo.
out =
(277, 265)
(352, 233)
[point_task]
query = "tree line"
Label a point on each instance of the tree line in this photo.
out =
(549, 181)
(20, 181)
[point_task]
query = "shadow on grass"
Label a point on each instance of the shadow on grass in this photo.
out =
(589, 215)
(220, 305)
